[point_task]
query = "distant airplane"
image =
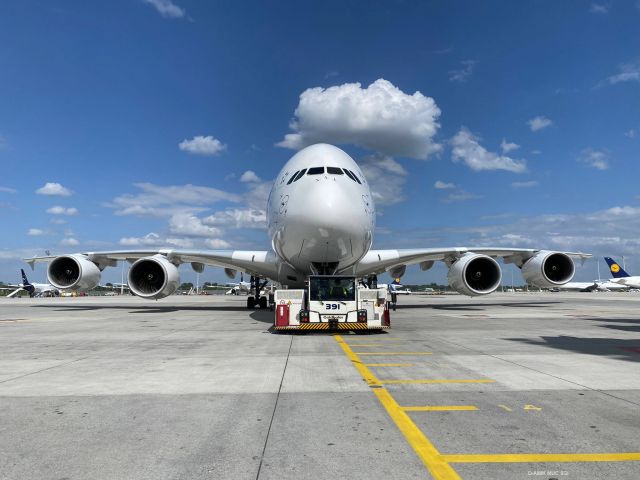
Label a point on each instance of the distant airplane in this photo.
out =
(399, 289)
(321, 220)
(33, 289)
(620, 276)
(595, 286)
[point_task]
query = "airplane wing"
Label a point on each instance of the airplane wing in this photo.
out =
(15, 292)
(395, 261)
(261, 263)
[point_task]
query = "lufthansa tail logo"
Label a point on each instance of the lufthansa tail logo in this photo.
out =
(615, 268)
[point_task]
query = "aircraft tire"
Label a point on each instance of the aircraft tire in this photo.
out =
(250, 302)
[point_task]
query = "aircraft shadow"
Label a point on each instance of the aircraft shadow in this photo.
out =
(145, 309)
(477, 306)
(624, 349)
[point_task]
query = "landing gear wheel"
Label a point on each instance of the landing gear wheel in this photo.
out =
(250, 302)
(263, 303)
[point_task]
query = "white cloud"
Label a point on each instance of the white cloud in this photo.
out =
(467, 150)
(529, 184)
(149, 240)
(58, 210)
(598, 159)
(599, 8)
(160, 201)
(459, 195)
(380, 117)
(200, 145)
(167, 8)
(36, 232)
(191, 226)
(631, 133)
(54, 189)
(538, 123)
(216, 243)
(7, 190)
(238, 218)
(461, 74)
(627, 72)
(69, 242)
(508, 146)
(386, 178)
(250, 177)
(57, 221)
(440, 185)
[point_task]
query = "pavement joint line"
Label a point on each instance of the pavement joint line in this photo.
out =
(388, 364)
(426, 451)
(540, 372)
(393, 353)
(436, 380)
(440, 408)
(543, 457)
(275, 406)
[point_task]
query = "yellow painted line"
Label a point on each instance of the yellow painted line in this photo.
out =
(436, 380)
(439, 469)
(544, 457)
(393, 353)
(388, 364)
(504, 407)
(440, 408)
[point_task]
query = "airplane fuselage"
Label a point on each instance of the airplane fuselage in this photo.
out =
(320, 212)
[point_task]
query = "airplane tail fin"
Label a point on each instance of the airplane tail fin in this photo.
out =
(25, 280)
(616, 270)
(26, 285)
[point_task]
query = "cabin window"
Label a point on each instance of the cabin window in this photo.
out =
(334, 171)
(316, 171)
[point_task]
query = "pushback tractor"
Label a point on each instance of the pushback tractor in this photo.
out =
(332, 303)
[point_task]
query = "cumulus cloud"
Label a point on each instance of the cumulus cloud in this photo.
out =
(166, 8)
(54, 189)
(216, 243)
(380, 117)
(386, 178)
(200, 145)
(7, 190)
(627, 72)
(461, 74)
(152, 239)
(538, 123)
(238, 218)
(69, 242)
(36, 232)
(467, 149)
(599, 8)
(159, 200)
(598, 159)
(58, 210)
(440, 185)
(508, 146)
(529, 184)
(191, 226)
(250, 177)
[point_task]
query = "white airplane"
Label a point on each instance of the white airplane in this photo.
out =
(595, 286)
(33, 289)
(321, 219)
(620, 276)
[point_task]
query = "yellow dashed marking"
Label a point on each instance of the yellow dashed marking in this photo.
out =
(504, 407)
(440, 408)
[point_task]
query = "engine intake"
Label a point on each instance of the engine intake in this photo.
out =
(153, 277)
(475, 274)
(548, 269)
(73, 272)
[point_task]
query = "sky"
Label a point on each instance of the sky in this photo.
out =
(161, 123)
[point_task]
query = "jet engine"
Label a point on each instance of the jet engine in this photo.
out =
(548, 269)
(73, 272)
(474, 274)
(153, 277)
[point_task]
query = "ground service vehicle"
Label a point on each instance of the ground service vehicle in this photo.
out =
(332, 302)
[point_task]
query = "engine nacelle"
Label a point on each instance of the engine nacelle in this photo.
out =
(153, 277)
(73, 272)
(548, 269)
(475, 274)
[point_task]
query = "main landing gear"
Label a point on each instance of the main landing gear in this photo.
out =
(255, 299)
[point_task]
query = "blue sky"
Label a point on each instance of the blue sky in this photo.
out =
(137, 121)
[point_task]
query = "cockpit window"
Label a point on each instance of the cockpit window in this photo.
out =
(316, 171)
(292, 177)
(356, 177)
(349, 175)
(299, 176)
(334, 171)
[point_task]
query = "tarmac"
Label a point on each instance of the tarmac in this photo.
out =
(508, 386)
